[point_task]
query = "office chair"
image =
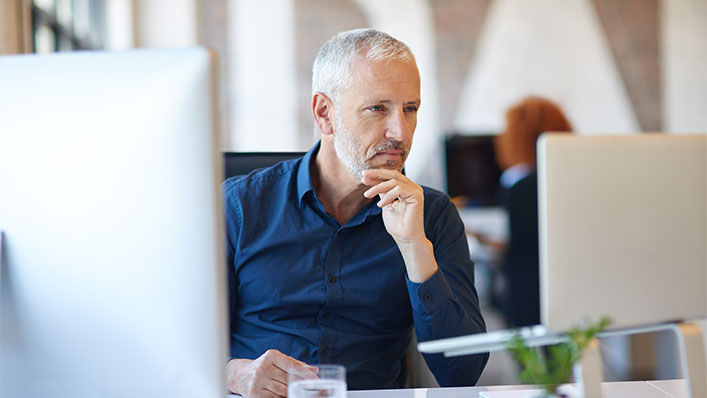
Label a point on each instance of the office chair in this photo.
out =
(241, 163)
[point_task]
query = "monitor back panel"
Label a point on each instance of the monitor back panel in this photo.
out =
(112, 266)
(622, 229)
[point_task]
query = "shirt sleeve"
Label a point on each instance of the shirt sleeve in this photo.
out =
(447, 305)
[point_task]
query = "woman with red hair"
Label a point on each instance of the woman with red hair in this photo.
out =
(515, 152)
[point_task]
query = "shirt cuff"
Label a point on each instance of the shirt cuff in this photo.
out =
(429, 295)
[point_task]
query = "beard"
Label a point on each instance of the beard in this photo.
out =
(353, 154)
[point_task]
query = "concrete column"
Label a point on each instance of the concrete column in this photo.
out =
(165, 23)
(684, 61)
(262, 69)
(119, 25)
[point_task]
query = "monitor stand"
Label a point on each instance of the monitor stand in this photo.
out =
(588, 371)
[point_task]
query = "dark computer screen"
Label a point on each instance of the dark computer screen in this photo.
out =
(472, 169)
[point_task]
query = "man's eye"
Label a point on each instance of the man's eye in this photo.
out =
(376, 108)
(411, 109)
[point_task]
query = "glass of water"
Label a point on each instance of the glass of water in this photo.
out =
(324, 381)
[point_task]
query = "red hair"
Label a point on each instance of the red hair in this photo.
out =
(525, 122)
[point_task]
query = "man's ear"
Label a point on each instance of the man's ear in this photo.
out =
(323, 112)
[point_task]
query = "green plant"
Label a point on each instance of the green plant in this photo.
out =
(553, 366)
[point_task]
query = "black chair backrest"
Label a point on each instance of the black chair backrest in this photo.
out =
(240, 163)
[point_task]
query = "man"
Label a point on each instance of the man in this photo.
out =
(334, 256)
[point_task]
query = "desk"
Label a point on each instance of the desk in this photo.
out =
(622, 389)
(619, 389)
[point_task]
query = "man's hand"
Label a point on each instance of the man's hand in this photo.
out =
(403, 207)
(402, 202)
(265, 376)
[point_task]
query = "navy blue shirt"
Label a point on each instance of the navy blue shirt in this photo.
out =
(325, 293)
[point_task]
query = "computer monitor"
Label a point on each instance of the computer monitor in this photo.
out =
(623, 229)
(112, 267)
(472, 169)
(623, 233)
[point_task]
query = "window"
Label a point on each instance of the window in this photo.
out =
(66, 25)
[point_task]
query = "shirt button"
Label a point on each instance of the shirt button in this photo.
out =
(428, 296)
(332, 278)
(325, 349)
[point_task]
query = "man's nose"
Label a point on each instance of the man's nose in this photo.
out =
(397, 128)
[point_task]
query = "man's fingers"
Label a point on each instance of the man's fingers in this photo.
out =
(264, 377)
(391, 190)
(285, 362)
(375, 176)
(277, 388)
(389, 197)
(275, 366)
(383, 187)
(278, 375)
(265, 393)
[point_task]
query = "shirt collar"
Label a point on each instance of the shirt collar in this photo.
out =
(304, 184)
(514, 174)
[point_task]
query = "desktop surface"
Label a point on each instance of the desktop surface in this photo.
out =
(623, 389)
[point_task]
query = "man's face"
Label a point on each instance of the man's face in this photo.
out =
(376, 117)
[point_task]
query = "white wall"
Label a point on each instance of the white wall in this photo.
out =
(261, 37)
(684, 65)
(412, 22)
(554, 48)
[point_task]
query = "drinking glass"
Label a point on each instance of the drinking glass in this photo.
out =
(324, 381)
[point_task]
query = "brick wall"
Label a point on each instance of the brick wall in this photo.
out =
(632, 28)
(212, 32)
(457, 26)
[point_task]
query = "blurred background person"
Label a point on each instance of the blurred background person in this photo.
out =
(516, 154)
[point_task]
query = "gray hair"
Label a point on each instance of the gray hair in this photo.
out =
(331, 72)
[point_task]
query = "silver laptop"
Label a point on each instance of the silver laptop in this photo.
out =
(623, 223)
(112, 271)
